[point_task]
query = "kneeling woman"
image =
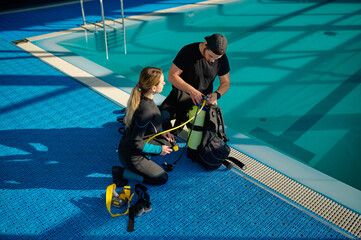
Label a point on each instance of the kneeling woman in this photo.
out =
(142, 120)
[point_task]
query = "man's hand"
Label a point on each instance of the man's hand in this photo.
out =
(168, 136)
(196, 96)
(212, 98)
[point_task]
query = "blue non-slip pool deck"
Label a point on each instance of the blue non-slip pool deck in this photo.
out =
(57, 147)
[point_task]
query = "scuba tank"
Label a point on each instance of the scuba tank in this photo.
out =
(196, 134)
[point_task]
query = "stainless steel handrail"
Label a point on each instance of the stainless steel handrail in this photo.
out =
(82, 11)
(105, 32)
(125, 42)
(104, 25)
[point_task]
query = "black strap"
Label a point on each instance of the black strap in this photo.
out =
(141, 190)
(220, 115)
(131, 219)
(240, 164)
(122, 130)
(227, 164)
(198, 128)
(120, 119)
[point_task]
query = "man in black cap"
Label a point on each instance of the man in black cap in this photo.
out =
(192, 74)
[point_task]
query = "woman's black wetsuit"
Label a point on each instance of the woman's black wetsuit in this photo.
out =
(133, 150)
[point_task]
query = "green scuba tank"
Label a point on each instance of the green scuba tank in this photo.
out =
(196, 136)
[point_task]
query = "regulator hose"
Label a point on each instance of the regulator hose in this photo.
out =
(181, 125)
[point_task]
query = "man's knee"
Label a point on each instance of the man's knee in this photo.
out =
(166, 118)
(165, 115)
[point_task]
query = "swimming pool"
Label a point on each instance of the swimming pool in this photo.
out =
(295, 81)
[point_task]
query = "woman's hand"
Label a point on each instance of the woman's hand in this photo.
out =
(166, 150)
(168, 136)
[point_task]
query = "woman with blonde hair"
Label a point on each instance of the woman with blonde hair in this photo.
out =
(142, 120)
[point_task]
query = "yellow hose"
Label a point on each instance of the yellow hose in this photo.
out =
(204, 103)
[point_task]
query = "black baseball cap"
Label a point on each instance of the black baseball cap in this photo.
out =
(217, 43)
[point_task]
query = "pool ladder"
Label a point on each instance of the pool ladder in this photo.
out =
(102, 24)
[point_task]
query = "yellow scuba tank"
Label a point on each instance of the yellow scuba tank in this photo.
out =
(196, 135)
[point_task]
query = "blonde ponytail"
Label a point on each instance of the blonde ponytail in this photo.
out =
(132, 105)
(149, 77)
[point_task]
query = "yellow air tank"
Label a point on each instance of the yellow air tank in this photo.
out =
(196, 136)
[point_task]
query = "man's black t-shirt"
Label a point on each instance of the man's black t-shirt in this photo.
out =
(197, 71)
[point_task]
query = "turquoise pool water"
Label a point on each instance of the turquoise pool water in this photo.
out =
(295, 71)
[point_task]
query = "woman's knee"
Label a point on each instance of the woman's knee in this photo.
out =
(157, 180)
